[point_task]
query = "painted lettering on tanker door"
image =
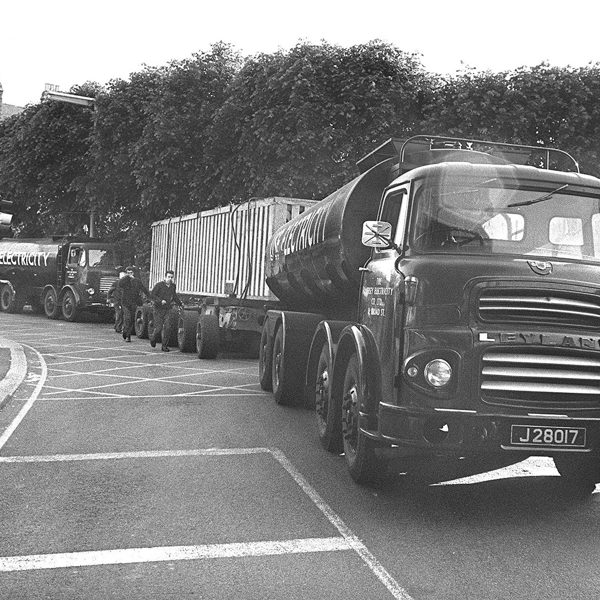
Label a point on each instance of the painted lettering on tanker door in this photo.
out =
(376, 300)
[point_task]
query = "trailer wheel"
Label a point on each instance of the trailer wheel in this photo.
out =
(265, 360)
(9, 300)
(359, 450)
(328, 412)
(186, 331)
(207, 336)
(141, 322)
(69, 306)
(580, 473)
(286, 377)
(51, 306)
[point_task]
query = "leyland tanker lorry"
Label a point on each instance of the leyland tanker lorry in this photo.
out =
(445, 303)
(60, 276)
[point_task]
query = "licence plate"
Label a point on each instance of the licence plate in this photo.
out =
(548, 437)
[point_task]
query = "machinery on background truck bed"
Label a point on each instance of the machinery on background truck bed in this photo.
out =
(58, 276)
(445, 303)
(217, 256)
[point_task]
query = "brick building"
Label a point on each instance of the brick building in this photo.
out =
(8, 110)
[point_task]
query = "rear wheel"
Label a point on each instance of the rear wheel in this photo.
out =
(141, 322)
(9, 300)
(265, 360)
(69, 306)
(580, 473)
(363, 463)
(207, 336)
(286, 377)
(328, 413)
(186, 331)
(51, 306)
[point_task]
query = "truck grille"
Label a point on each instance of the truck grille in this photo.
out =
(540, 377)
(540, 306)
(106, 282)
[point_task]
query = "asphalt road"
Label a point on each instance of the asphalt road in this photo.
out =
(130, 473)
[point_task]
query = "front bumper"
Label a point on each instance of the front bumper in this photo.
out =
(464, 432)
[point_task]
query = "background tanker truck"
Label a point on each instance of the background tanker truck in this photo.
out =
(444, 304)
(60, 276)
(217, 256)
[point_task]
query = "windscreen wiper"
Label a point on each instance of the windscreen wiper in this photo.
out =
(540, 199)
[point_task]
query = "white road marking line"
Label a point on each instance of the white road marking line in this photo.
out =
(171, 553)
(350, 540)
(134, 455)
(368, 558)
(27, 406)
(104, 396)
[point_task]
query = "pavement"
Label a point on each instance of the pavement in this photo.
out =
(13, 368)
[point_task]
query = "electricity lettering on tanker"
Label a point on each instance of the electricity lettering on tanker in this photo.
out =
(24, 259)
(307, 232)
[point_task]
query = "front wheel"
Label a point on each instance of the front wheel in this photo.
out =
(580, 473)
(69, 306)
(362, 461)
(51, 306)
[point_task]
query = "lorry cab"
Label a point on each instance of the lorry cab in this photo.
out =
(483, 299)
(89, 272)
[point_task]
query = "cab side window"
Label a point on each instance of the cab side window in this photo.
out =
(75, 254)
(391, 212)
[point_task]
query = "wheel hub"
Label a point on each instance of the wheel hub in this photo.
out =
(350, 416)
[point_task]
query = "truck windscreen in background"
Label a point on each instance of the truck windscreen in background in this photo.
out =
(501, 216)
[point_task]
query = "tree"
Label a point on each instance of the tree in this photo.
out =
(295, 122)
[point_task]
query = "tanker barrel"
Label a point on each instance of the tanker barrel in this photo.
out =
(29, 259)
(314, 259)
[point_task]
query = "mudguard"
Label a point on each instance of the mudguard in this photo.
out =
(358, 338)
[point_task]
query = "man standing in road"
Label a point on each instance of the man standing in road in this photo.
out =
(164, 297)
(115, 302)
(130, 290)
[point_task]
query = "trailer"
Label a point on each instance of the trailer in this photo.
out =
(444, 304)
(60, 275)
(217, 256)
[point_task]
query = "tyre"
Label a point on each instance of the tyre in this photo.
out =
(265, 360)
(207, 336)
(363, 464)
(51, 306)
(286, 378)
(9, 300)
(186, 331)
(69, 306)
(141, 322)
(328, 413)
(580, 474)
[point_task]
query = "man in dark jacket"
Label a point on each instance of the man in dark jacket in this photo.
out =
(164, 298)
(115, 301)
(130, 290)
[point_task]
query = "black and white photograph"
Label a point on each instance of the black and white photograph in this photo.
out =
(299, 301)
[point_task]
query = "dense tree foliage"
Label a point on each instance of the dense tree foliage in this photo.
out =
(216, 128)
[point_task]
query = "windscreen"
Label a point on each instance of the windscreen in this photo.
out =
(106, 258)
(501, 216)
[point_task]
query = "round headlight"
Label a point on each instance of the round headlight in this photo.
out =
(437, 372)
(91, 291)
